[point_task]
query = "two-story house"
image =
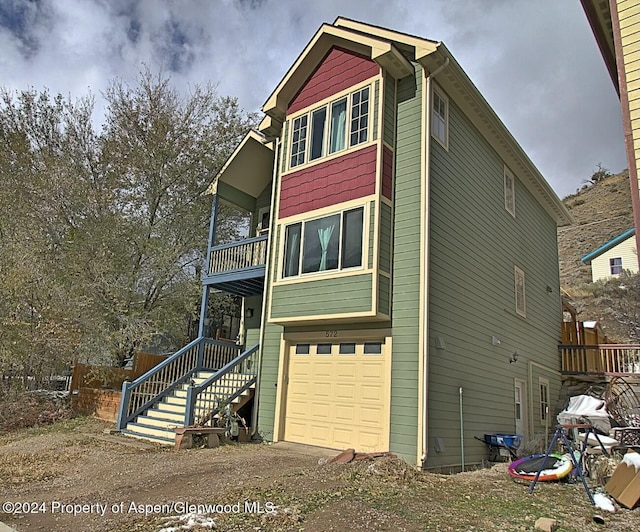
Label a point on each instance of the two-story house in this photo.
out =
(401, 286)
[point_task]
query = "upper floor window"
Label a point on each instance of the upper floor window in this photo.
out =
(509, 192)
(440, 118)
(615, 265)
(331, 127)
(329, 243)
(521, 303)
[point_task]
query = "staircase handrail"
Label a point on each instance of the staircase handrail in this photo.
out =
(127, 414)
(194, 391)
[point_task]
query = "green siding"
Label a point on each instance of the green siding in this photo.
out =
(376, 100)
(372, 232)
(389, 110)
(252, 325)
(406, 267)
(384, 289)
(386, 230)
(236, 197)
(325, 296)
(263, 200)
(474, 245)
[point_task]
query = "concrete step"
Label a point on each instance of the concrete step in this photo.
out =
(159, 413)
(144, 431)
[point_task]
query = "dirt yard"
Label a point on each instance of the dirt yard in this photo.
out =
(113, 483)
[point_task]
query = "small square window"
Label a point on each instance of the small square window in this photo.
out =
(615, 266)
(347, 349)
(323, 349)
(373, 348)
(302, 349)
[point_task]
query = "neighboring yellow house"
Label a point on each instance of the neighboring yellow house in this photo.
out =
(610, 259)
(616, 27)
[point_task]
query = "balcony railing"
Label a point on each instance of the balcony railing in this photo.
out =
(611, 359)
(237, 256)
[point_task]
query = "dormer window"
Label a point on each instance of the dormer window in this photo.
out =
(334, 126)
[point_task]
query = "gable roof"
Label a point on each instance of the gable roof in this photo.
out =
(606, 247)
(394, 52)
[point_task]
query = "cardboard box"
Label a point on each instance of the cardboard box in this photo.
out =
(624, 484)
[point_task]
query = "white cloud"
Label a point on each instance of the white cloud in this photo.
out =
(535, 62)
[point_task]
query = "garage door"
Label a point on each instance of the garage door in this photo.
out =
(338, 395)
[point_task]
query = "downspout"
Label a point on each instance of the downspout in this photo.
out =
(263, 317)
(425, 313)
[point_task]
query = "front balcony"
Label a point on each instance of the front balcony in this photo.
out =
(612, 360)
(239, 267)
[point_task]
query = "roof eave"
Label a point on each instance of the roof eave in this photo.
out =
(467, 96)
(381, 51)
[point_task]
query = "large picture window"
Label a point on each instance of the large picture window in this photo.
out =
(329, 243)
(330, 128)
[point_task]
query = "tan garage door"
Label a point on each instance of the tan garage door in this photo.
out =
(338, 395)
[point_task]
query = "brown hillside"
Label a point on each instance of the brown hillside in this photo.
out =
(601, 211)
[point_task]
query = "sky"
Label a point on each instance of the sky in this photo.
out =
(535, 61)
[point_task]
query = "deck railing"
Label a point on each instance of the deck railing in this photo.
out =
(150, 388)
(614, 359)
(211, 396)
(240, 255)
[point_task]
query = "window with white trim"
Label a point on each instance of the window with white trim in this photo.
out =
(509, 192)
(440, 118)
(520, 293)
(329, 128)
(544, 398)
(615, 265)
(332, 242)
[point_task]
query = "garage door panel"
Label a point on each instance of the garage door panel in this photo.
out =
(338, 400)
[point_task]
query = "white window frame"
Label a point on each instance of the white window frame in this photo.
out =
(326, 140)
(544, 401)
(612, 265)
(509, 199)
(340, 268)
(438, 120)
(520, 299)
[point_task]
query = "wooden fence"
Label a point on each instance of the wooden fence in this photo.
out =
(96, 390)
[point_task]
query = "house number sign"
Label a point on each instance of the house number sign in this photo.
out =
(331, 334)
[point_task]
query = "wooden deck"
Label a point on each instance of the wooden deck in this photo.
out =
(604, 359)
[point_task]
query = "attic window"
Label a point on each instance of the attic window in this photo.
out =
(509, 192)
(440, 118)
(520, 296)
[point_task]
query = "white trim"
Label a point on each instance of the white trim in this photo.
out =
(281, 278)
(327, 104)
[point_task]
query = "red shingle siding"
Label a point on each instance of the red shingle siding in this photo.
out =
(338, 71)
(387, 172)
(342, 179)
